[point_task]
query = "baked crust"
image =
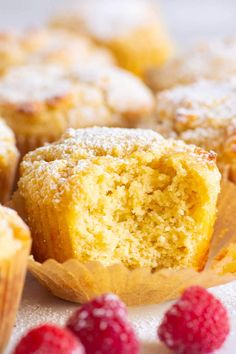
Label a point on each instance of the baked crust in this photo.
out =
(204, 114)
(213, 60)
(40, 102)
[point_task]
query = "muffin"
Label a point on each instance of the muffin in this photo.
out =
(125, 196)
(37, 46)
(213, 60)
(14, 250)
(131, 29)
(8, 161)
(58, 46)
(39, 102)
(204, 114)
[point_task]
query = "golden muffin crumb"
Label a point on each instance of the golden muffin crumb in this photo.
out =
(120, 196)
(131, 29)
(204, 114)
(213, 60)
(8, 161)
(40, 102)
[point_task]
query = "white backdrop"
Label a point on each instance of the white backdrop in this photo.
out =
(188, 20)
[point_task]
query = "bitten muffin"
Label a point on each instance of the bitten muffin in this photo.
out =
(8, 161)
(204, 114)
(120, 196)
(14, 249)
(213, 60)
(132, 30)
(40, 102)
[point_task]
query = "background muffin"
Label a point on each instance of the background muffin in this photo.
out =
(14, 250)
(8, 161)
(204, 114)
(40, 102)
(132, 30)
(120, 196)
(212, 60)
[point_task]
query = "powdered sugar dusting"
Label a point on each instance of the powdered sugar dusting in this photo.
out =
(33, 83)
(209, 60)
(124, 91)
(204, 100)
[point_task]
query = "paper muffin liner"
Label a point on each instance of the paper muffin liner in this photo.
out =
(7, 178)
(78, 282)
(12, 275)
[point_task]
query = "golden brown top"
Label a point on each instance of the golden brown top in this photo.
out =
(30, 88)
(124, 92)
(106, 20)
(13, 232)
(202, 104)
(52, 170)
(7, 143)
(210, 60)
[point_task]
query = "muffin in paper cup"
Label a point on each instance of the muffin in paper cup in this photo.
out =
(119, 210)
(79, 282)
(8, 161)
(15, 245)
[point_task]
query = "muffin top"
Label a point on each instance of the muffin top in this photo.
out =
(7, 143)
(58, 46)
(32, 88)
(13, 232)
(202, 104)
(210, 60)
(124, 92)
(38, 83)
(60, 162)
(106, 20)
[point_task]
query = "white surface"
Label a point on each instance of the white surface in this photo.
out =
(38, 306)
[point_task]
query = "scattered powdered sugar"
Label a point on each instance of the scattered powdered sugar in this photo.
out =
(106, 19)
(124, 91)
(204, 100)
(33, 83)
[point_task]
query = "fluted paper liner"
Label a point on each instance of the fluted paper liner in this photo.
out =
(78, 282)
(12, 274)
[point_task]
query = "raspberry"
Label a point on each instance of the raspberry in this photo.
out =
(196, 324)
(103, 328)
(49, 339)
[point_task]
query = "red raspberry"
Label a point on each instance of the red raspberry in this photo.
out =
(197, 324)
(49, 339)
(103, 328)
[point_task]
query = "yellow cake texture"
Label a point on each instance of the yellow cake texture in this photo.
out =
(131, 29)
(40, 102)
(214, 60)
(124, 196)
(8, 161)
(14, 250)
(203, 113)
